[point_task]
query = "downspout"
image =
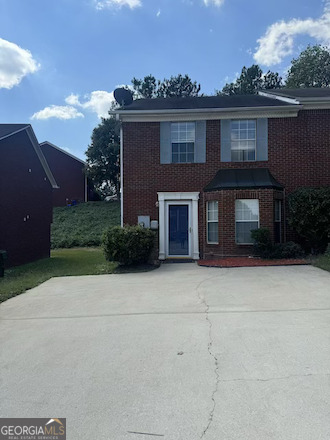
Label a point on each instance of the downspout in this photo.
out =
(121, 175)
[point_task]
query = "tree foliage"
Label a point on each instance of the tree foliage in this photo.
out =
(310, 69)
(180, 86)
(103, 156)
(251, 80)
(309, 216)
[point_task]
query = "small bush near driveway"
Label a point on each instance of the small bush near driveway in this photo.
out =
(266, 249)
(128, 245)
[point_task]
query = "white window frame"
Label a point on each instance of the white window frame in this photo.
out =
(208, 221)
(246, 221)
(244, 140)
(184, 140)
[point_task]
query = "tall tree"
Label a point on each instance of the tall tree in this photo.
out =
(178, 87)
(251, 80)
(310, 69)
(146, 87)
(174, 87)
(103, 156)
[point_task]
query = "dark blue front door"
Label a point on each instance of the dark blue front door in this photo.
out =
(178, 230)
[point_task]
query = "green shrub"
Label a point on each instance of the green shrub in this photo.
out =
(128, 245)
(262, 242)
(266, 249)
(309, 216)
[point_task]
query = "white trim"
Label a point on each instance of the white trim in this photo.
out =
(279, 97)
(41, 156)
(121, 177)
(14, 132)
(62, 151)
(192, 197)
(182, 115)
(169, 203)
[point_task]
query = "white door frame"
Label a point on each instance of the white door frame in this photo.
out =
(167, 227)
(181, 198)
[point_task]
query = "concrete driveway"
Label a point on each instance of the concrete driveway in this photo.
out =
(180, 353)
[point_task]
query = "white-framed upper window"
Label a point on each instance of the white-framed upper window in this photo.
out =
(183, 142)
(247, 219)
(243, 140)
(212, 222)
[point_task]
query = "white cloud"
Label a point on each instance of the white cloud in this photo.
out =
(59, 112)
(107, 4)
(278, 41)
(214, 2)
(158, 13)
(15, 63)
(98, 101)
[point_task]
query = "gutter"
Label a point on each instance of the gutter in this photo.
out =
(206, 110)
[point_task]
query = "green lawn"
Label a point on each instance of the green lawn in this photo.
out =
(83, 225)
(63, 262)
(323, 262)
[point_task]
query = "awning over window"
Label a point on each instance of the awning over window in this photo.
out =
(243, 178)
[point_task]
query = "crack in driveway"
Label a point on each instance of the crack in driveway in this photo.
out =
(211, 353)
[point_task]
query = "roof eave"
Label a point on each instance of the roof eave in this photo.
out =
(205, 110)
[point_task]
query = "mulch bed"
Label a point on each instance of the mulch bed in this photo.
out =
(250, 262)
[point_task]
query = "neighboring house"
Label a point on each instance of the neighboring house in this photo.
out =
(211, 169)
(26, 186)
(68, 171)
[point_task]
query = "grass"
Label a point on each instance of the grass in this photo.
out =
(83, 225)
(323, 262)
(63, 262)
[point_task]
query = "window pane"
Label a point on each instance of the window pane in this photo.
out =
(243, 124)
(243, 232)
(183, 157)
(175, 148)
(190, 157)
(251, 134)
(190, 148)
(212, 210)
(251, 123)
(236, 156)
(251, 155)
(212, 232)
(277, 210)
(247, 210)
(175, 158)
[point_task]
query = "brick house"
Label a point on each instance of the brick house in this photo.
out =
(210, 169)
(68, 171)
(26, 186)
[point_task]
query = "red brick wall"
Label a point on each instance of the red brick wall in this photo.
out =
(298, 155)
(68, 174)
(25, 202)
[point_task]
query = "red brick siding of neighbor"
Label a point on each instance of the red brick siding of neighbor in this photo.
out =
(68, 174)
(298, 155)
(25, 193)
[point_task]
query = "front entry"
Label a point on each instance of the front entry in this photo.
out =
(178, 225)
(178, 230)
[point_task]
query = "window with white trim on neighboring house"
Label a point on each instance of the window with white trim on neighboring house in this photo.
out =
(212, 222)
(243, 140)
(246, 219)
(183, 142)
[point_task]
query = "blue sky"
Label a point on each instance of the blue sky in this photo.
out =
(60, 60)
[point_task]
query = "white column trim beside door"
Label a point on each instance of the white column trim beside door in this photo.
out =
(175, 196)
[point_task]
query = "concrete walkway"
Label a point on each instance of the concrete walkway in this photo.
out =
(182, 353)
